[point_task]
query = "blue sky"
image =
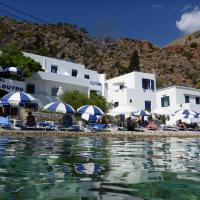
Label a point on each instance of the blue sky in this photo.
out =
(159, 21)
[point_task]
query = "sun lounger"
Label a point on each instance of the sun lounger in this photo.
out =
(5, 123)
(170, 128)
(100, 127)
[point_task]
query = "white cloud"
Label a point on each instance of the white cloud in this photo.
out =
(157, 6)
(189, 22)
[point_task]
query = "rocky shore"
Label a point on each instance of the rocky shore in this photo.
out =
(116, 134)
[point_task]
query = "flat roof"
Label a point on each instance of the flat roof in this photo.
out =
(124, 75)
(179, 87)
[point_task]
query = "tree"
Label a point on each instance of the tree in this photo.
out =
(13, 57)
(99, 101)
(77, 99)
(134, 62)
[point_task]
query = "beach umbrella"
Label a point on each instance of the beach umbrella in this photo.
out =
(59, 107)
(90, 109)
(89, 117)
(186, 112)
(162, 111)
(142, 113)
(191, 116)
(60, 91)
(13, 71)
(122, 109)
(17, 98)
(88, 168)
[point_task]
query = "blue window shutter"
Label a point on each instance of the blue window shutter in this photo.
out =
(152, 85)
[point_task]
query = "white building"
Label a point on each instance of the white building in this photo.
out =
(135, 89)
(177, 97)
(61, 76)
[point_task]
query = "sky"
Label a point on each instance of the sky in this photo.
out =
(158, 21)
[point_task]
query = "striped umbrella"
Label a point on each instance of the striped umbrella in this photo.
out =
(59, 107)
(141, 113)
(17, 98)
(89, 109)
(89, 117)
(186, 112)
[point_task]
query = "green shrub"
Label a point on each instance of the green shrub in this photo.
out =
(77, 99)
(91, 51)
(188, 55)
(193, 45)
(159, 83)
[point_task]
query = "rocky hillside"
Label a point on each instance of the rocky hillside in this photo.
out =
(178, 63)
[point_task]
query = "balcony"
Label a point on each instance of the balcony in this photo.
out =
(60, 78)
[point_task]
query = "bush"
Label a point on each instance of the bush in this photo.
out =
(90, 51)
(188, 55)
(193, 45)
(159, 83)
(77, 99)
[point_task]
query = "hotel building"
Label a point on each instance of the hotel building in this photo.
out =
(135, 89)
(61, 76)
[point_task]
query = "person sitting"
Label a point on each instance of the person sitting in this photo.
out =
(81, 125)
(181, 125)
(67, 121)
(30, 120)
(152, 125)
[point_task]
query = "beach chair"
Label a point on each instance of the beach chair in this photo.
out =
(99, 127)
(5, 123)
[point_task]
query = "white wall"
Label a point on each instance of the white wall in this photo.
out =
(44, 82)
(95, 81)
(184, 91)
(171, 92)
(177, 95)
(133, 90)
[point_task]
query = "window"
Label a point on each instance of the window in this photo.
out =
(87, 76)
(148, 84)
(187, 99)
(145, 84)
(30, 88)
(54, 91)
(197, 100)
(54, 69)
(121, 87)
(116, 104)
(152, 85)
(165, 101)
(131, 101)
(74, 72)
(147, 105)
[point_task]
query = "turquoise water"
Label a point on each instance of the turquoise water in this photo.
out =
(97, 168)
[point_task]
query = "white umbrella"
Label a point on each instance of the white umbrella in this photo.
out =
(162, 111)
(60, 91)
(186, 112)
(59, 107)
(125, 109)
(16, 98)
(90, 109)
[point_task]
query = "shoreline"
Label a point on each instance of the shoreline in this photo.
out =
(115, 134)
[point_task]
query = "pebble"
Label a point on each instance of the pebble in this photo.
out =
(114, 134)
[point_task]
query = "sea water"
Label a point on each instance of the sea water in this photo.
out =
(99, 168)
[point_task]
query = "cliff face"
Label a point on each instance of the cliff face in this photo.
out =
(177, 63)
